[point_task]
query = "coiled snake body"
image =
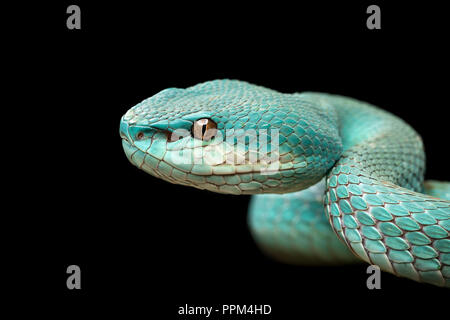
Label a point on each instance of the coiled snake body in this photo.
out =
(362, 164)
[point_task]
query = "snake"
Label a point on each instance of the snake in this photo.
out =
(333, 180)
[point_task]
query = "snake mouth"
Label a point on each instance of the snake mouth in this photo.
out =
(130, 150)
(231, 183)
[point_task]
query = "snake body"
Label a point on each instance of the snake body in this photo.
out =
(348, 183)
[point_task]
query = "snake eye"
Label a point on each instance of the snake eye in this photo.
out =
(204, 129)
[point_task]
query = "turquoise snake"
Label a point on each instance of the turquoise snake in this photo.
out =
(347, 185)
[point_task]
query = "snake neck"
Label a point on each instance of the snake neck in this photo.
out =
(372, 198)
(385, 148)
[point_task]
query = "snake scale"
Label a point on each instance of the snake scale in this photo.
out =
(335, 180)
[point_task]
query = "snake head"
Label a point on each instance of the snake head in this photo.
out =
(232, 137)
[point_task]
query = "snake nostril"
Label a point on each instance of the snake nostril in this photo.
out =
(140, 136)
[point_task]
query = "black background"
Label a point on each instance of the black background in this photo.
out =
(145, 245)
